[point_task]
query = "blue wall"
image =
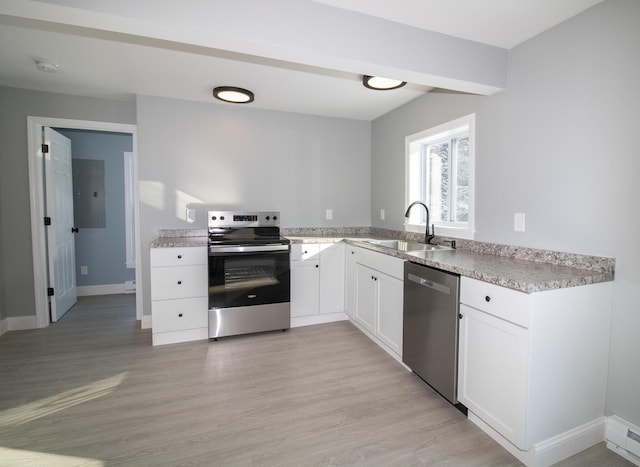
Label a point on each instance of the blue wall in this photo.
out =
(103, 250)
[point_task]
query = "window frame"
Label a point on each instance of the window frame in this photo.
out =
(414, 161)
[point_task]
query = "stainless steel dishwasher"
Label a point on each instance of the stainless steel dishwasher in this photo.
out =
(430, 327)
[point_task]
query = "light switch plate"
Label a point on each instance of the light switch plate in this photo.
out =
(382, 214)
(518, 222)
(329, 214)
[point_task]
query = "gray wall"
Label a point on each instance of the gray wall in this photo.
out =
(3, 312)
(238, 157)
(558, 144)
(103, 250)
(15, 106)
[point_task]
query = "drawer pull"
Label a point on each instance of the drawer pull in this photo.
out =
(487, 299)
(179, 282)
(179, 256)
(179, 315)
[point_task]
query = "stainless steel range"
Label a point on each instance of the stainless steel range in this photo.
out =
(249, 277)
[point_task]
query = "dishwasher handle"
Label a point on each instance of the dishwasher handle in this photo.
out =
(430, 284)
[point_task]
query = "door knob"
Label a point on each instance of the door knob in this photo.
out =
(74, 230)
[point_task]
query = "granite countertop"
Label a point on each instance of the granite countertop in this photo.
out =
(515, 273)
(518, 274)
(522, 269)
(177, 242)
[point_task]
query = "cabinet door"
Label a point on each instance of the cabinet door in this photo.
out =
(366, 300)
(304, 288)
(350, 281)
(492, 371)
(389, 319)
(332, 278)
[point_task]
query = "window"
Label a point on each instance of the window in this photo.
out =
(440, 173)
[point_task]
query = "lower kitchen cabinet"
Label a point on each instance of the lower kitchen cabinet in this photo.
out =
(317, 281)
(350, 281)
(533, 367)
(493, 361)
(379, 298)
(179, 297)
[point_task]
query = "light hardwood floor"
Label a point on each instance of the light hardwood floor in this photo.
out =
(91, 390)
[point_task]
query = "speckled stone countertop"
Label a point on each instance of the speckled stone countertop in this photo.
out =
(180, 238)
(518, 274)
(524, 269)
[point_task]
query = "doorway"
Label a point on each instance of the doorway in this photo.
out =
(37, 200)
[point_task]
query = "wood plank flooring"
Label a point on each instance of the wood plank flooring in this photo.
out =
(92, 391)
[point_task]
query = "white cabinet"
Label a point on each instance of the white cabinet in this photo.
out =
(305, 279)
(332, 278)
(350, 281)
(179, 298)
(493, 361)
(390, 309)
(378, 287)
(366, 297)
(317, 282)
(533, 367)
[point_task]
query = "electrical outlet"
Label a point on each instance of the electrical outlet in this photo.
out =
(518, 222)
(329, 214)
(382, 214)
(84, 270)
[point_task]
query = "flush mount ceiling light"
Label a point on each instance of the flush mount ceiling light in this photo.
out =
(233, 94)
(47, 67)
(381, 84)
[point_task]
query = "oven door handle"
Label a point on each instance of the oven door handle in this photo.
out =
(224, 250)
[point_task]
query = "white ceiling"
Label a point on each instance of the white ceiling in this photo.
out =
(503, 23)
(118, 49)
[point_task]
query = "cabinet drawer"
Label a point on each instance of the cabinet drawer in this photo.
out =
(186, 256)
(177, 315)
(304, 251)
(504, 303)
(179, 282)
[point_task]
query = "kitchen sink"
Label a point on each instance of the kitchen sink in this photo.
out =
(406, 245)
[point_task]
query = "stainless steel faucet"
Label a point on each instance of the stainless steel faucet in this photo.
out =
(427, 236)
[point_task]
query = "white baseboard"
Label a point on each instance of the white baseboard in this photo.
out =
(105, 289)
(18, 323)
(4, 326)
(623, 438)
(145, 322)
(554, 449)
(299, 321)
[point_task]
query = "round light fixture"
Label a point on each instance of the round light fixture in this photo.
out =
(381, 84)
(233, 94)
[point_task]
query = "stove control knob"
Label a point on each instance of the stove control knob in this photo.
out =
(221, 218)
(268, 218)
(275, 218)
(213, 218)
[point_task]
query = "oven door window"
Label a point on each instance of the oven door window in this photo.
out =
(248, 279)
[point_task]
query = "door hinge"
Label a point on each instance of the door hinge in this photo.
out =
(45, 149)
(47, 220)
(50, 292)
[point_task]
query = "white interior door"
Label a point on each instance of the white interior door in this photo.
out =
(60, 234)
